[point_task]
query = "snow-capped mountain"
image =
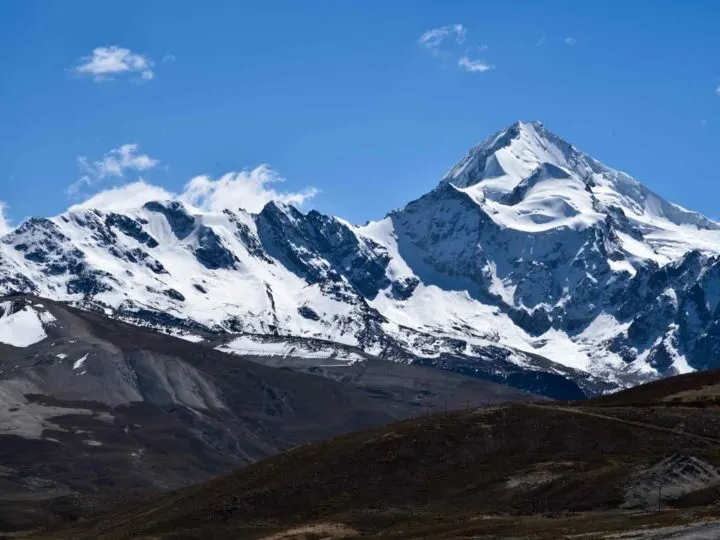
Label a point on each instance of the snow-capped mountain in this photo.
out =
(530, 263)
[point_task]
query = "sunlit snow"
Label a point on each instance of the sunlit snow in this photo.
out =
(24, 327)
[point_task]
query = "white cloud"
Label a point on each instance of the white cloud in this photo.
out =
(114, 164)
(4, 223)
(247, 189)
(444, 41)
(432, 40)
(127, 197)
(474, 66)
(717, 90)
(703, 123)
(541, 42)
(570, 41)
(108, 61)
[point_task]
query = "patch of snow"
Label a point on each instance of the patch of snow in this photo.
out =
(622, 266)
(80, 363)
(22, 328)
(190, 337)
(262, 346)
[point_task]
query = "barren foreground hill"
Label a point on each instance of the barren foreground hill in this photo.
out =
(522, 470)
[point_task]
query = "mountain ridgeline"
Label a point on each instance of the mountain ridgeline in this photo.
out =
(530, 264)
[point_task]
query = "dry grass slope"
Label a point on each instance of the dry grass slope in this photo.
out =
(522, 470)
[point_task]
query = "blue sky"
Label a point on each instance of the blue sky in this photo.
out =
(342, 98)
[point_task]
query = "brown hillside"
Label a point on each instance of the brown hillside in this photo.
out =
(540, 471)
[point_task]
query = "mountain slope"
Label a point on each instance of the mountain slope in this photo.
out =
(587, 471)
(531, 264)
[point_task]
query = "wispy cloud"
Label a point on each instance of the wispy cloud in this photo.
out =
(106, 62)
(541, 42)
(4, 222)
(704, 123)
(114, 164)
(433, 40)
(474, 66)
(570, 41)
(444, 42)
(125, 197)
(717, 90)
(249, 189)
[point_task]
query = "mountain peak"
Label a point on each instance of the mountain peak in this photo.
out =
(515, 151)
(561, 186)
(532, 125)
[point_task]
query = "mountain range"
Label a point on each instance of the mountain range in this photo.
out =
(531, 264)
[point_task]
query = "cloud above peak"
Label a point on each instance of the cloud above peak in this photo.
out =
(106, 62)
(125, 197)
(4, 223)
(249, 189)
